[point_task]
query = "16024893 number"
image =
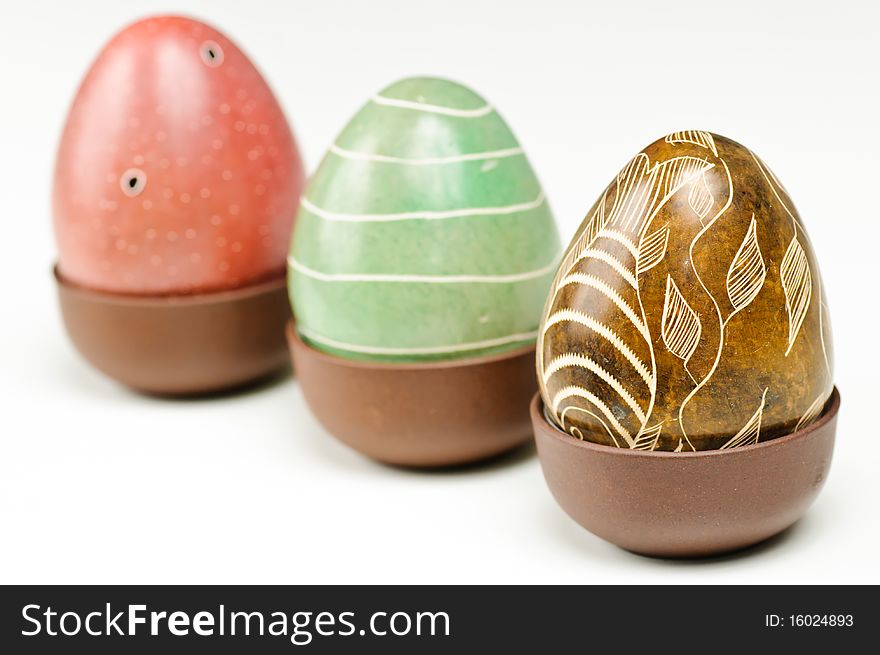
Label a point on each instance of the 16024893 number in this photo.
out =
(821, 620)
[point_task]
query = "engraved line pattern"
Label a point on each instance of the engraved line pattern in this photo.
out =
(427, 279)
(585, 362)
(606, 333)
(747, 271)
(622, 239)
(652, 249)
(695, 137)
(681, 326)
(580, 392)
(797, 282)
(587, 237)
(825, 326)
(773, 183)
(609, 292)
(433, 109)
(621, 217)
(577, 432)
(751, 431)
(647, 438)
(432, 350)
(642, 197)
(423, 215)
(637, 197)
(670, 175)
(700, 198)
(681, 170)
(775, 186)
(625, 272)
(425, 161)
(812, 412)
(634, 193)
(694, 241)
(634, 204)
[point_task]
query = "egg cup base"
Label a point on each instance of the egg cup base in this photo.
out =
(698, 504)
(431, 414)
(180, 345)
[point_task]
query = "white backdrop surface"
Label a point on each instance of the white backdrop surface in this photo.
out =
(98, 484)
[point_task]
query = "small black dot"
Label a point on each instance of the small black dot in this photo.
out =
(132, 182)
(211, 53)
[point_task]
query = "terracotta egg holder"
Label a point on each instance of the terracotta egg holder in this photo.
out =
(430, 414)
(180, 345)
(702, 503)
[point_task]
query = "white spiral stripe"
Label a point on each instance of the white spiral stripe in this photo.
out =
(425, 161)
(422, 215)
(423, 279)
(433, 109)
(423, 350)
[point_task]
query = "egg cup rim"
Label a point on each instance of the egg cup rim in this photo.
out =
(539, 419)
(478, 360)
(261, 285)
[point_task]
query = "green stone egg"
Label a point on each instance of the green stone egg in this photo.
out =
(424, 234)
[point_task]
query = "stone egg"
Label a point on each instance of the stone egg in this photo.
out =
(424, 234)
(688, 312)
(177, 171)
(176, 184)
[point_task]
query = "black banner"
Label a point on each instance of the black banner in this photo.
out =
(429, 619)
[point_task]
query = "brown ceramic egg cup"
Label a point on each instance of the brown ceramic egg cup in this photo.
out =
(696, 504)
(428, 414)
(180, 345)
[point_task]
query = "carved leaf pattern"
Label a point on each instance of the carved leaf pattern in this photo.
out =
(751, 431)
(811, 413)
(797, 282)
(588, 236)
(647, 438)
(681, 326)
(652, 249)
(695, 137)
(700, 198)
(675, 173)
(747, 272)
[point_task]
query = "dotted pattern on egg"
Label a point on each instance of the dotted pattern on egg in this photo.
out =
(177, 171)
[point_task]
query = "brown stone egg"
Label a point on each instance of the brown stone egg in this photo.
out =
(688, 312)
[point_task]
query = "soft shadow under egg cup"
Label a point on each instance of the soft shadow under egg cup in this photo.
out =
(696, 504)
(426, 414)
(180, 345)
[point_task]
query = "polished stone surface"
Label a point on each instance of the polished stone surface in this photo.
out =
(688, 312)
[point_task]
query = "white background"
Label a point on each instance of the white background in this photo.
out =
(98, 484)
